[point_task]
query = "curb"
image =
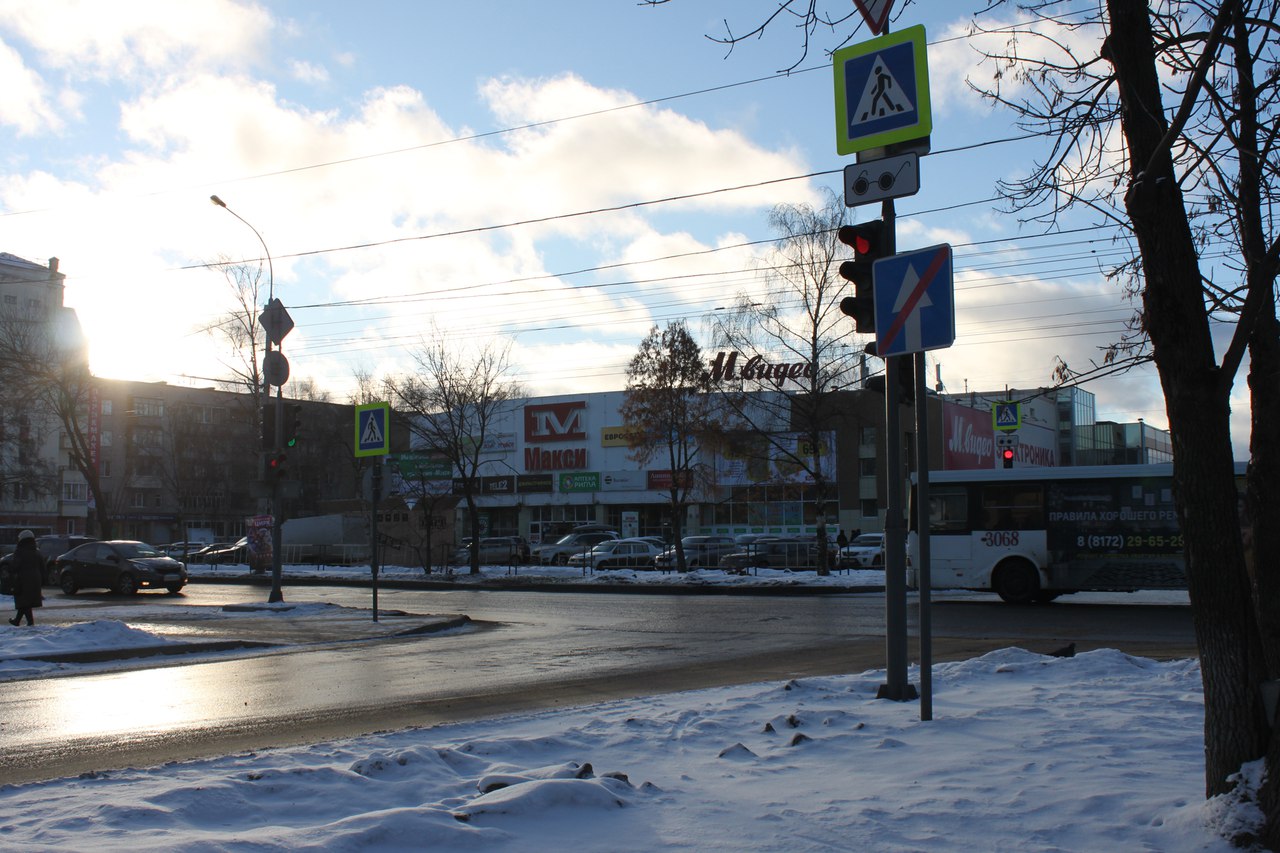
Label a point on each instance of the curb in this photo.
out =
(515, 583)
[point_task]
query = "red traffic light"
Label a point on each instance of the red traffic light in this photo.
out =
(1007, 456)
(866, 238)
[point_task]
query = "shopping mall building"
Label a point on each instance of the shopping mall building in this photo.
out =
(551, 463)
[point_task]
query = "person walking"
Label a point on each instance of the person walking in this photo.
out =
(842, 540)
(28, 578)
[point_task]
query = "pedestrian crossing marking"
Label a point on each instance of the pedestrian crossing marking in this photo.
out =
(372, 433)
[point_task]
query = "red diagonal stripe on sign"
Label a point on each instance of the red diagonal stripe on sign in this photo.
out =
(935, 264)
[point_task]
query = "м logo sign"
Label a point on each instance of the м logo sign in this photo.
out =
(555, 422)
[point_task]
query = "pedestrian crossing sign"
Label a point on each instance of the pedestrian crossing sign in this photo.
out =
(373, 438)
(882, 91)
(1006, 415)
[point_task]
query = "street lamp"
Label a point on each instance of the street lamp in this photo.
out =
(277, 593)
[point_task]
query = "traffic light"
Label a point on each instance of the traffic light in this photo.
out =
(906, 380)
(268, 421)
(1007, 456)
(275, 466)
(292, 425)
(869, 244)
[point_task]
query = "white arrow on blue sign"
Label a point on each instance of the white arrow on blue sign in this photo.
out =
(915, 301)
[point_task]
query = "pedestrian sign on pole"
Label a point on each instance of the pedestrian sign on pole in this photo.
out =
(882, 91)
(373, 438)
(915, 301)
(1006, 415)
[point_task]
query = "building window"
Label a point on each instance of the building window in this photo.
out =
(75, 492)
(870, 509)
(866, 467)
(866, 436)
(104, 438)
(106, 407)
(104, 468)
(147, 407)
(138, 500)
(10, 300)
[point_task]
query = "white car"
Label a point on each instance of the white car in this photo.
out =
(866, 551)
(618, 554)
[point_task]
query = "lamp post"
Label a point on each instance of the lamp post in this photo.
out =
(277, 441)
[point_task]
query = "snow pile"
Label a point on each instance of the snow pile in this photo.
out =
(1102, 751)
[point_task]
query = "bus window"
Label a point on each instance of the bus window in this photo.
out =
(948, 510)
(1012, 506)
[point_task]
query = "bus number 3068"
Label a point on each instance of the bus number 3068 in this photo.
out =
(1000, 538)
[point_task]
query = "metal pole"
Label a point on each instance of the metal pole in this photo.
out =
(277, 442)
(376, 495)
(923, 567)
(895, 533)
(277, 546)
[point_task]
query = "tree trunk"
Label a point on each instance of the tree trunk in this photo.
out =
(1196, 397)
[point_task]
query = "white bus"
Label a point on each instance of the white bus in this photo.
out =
(1032, 534)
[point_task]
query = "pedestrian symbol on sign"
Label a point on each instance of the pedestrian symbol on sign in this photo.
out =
(1006, 415)
(371, 429)
(882, 95)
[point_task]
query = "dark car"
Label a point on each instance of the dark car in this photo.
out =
(700, 552)
(50, 546)
(788, 554)
(220, 553)
(124, 566)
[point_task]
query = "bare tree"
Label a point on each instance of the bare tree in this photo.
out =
(1182, 178)
(45, 364)
(453, 402)
(244, 339)
(798, 323)
(672, 416)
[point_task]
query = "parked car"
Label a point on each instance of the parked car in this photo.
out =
(124, 566)
(183, 550)
(494, 551)
(791, 554)
(50, 546)
(573, 543)
(238, 552)
(866, 551)
(700, 552)
(618, 554)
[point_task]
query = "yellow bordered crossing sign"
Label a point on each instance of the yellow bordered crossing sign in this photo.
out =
(373, 435)
(882, 91)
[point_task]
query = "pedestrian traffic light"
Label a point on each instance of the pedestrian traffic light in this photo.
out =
(293, 425)
(1007, 456)
(869, 244)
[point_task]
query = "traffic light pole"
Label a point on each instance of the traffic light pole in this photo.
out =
(924, 582)
(896, 686)
(277, 562)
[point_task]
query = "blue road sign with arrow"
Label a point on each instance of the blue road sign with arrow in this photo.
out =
(915, 301)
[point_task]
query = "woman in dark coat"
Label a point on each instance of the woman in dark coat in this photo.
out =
(28, 578)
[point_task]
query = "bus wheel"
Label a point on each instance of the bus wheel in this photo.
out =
(1017, 582)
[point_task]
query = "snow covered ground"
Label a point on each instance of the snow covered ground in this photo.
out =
(1102, 751)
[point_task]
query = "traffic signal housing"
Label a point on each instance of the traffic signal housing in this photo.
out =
(1007, 456)
(268, 421)
(869, 243)
(293, 425)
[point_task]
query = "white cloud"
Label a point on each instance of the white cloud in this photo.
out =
(308, 72)
(103, 40)
(24, 97)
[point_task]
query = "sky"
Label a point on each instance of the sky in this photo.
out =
(555, 176)
(1100, 751)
